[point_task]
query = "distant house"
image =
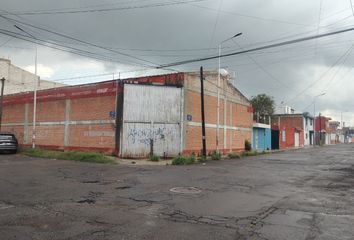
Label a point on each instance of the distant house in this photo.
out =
(292, 130)
(323, 131)
(18, 80)
(337, 135)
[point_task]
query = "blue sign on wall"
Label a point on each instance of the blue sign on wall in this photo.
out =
(189, 117)
(112, 114)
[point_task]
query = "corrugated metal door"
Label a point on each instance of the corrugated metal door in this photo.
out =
(151, 115)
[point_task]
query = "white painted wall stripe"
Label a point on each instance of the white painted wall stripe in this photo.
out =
(208, 125)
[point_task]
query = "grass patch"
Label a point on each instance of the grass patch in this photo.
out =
(154, 158)
(233, 155)
(216, 156)
(182, 160)
(72, 156)
(249, 153)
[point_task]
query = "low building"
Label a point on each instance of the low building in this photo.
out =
(134, 117)
(262, 139)
(308, 129)
(19, 80)
(323, 130)
(292, 130)
(336, 133)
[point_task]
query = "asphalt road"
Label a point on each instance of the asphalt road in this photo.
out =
(303, 194)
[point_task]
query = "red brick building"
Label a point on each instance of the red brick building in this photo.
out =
(131, 116)
(323, 130)
(289, 129)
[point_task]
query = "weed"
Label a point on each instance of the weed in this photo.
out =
(154, 158)
(215, 155)
(182, 160)
(249, 153)
(72, 156)
(233, 155)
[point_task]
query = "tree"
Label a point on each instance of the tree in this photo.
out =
(263, 107)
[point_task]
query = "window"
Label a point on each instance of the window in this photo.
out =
(284, 136)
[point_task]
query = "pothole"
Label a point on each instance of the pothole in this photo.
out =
(186, 190)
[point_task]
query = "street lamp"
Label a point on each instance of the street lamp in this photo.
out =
(314, 116)
(36, 83)
(218, 90)
(341, 118)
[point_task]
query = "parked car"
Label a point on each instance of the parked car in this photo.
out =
(8, 143)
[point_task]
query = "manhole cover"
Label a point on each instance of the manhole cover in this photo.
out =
(186, 190)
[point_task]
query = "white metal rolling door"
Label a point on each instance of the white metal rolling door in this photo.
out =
(151, 112)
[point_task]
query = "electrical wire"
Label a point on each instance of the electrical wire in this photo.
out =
(163, 4)
(258, 48)
(76, 39)
(322, 76)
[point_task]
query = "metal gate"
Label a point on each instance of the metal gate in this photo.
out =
(151, 121)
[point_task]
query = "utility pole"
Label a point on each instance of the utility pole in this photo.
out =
(202, 111)
(35, 102)
(1, 100)
(218, 90)
(319, 119)
(314, 117)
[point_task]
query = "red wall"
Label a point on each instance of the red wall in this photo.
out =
(86, 107)
(290, 124)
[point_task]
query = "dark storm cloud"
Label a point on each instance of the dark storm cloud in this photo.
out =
(293, 74)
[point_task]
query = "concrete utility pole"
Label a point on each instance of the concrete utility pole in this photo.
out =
(218, 90)
(314, 117)
(36, 83)
(1, 100)
(34, 102)
(202, 111)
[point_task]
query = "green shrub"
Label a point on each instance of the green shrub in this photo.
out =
(182, 160)
(233, 155)
(248, 146)
(154, 158)
(215, 155)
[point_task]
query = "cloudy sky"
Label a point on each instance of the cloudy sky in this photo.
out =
(131, 36)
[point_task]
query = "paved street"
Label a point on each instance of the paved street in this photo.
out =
(302, 194)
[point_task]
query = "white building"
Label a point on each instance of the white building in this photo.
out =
(308, 129)
(19, 80)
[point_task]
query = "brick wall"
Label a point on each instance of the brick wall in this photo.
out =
(237, 110)
(71, 118)
(289, 124)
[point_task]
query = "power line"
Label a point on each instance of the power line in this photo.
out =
(258, 48)
(249, 16)
(216, 23)
(76, 39)
(323, 75)
(7, 41)
(351, 5)
(107, 9)
(59, 47)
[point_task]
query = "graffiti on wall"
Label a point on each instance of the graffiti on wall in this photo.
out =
(144, 135)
